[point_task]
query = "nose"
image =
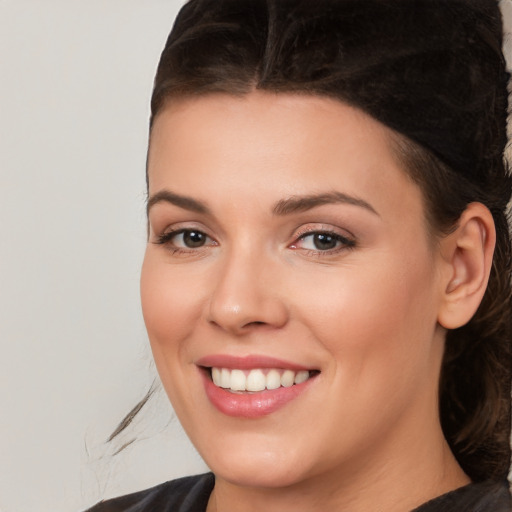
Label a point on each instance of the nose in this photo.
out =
(247, 295)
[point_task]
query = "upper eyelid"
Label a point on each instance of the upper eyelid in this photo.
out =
(345, 240)
(158, 227)
(176, 227)
(179, 231)
(307, 229)
(334, 234)
(166, 240)
(312, 228)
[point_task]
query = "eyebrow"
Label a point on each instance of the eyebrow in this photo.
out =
(296, 204)
(184, 202)
(293, 204)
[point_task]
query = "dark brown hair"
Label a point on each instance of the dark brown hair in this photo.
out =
(433, 71)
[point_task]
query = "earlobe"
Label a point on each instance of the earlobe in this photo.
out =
(467, 255)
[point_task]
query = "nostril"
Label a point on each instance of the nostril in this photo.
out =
(254, 324)
(255, 311)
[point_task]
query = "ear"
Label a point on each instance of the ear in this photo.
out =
(467, 260)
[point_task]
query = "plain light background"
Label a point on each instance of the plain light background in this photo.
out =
(75, 83)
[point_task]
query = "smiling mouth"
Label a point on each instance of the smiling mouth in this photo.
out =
(257, 379)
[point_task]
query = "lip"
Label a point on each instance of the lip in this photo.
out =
(248, 362)
(249, 404)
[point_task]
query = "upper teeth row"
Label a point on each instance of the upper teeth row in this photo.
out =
(257, 380)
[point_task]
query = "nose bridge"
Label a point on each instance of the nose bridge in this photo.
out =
(246, 292)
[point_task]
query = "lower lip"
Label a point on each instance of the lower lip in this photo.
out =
(251, 405)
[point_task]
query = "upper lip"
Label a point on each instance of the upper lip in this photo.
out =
(248, 362)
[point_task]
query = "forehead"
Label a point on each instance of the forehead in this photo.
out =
(270, 117)
(274, 145)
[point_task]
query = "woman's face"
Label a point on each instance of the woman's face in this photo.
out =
(286, 243)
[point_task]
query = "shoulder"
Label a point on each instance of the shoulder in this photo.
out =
(486, 496)
(189, 494)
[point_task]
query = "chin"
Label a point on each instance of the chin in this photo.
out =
(253, 461)
(259, 473)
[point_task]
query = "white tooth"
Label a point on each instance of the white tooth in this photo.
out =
(287, 378)
(216, 376)
(273, 379)
(225, 378)
(237, 380)
(255, 381)
(301, 377)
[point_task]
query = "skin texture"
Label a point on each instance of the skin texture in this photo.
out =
(370, 314)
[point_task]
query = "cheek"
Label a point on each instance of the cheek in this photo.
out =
(374, 318)
(171, 307)
(171, 303)
(378, 330)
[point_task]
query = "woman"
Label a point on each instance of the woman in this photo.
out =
(326, 285)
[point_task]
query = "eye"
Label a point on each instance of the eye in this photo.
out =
(320, 241)
(190, 239)
(323, 241)
(185, 239)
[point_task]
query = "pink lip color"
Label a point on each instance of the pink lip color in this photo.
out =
(248, 362)
(249, 405)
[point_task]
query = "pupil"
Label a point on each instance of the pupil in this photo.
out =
(193, 239)
(323, 241)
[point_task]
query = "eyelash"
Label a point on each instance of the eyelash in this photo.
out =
(166, 239)
(344, 242)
